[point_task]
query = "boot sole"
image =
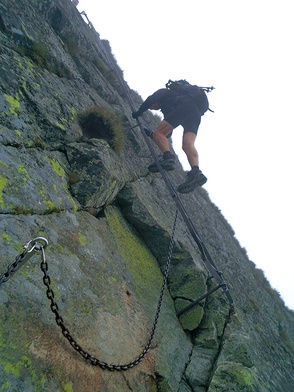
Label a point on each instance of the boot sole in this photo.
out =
(154, 169)
(191, 186)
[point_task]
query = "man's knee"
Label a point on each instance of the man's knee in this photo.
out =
(164, 128)
(157, 134)
(184, 146)
(189, 149)
(188, 142)
(187, 146)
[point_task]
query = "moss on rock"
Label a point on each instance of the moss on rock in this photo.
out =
(233, 377)
(192, 318)
(139, 260)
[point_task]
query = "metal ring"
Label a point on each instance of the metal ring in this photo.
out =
(35, 240)
(32, 244)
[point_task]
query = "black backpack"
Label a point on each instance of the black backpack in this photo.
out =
(196, 93)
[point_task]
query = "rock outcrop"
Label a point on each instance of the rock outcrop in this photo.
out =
(108, 223)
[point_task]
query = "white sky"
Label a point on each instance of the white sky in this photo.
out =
(245, 50)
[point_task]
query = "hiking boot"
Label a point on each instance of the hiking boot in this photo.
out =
(194, 179)
(167, 164)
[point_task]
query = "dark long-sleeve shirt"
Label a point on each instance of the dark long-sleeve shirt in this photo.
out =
(166, 99)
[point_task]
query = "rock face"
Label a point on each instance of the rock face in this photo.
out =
(108, 223)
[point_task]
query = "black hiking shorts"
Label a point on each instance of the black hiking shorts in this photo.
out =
(187, 115)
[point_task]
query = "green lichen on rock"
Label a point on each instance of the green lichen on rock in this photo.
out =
(187, 282)
(139, 260)
(106, 270)
(3, 182)
(191, 318)
(14, 104)
(15, 363)
(47, 202)
(233, 377)
(59, 125)
(3, 163)
(6, 237)
(56, 166)
(22, 170)
(82, 239)
(68, 387)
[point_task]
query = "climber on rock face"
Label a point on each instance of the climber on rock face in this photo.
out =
(177, 110)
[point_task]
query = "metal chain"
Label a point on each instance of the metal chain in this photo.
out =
(28, 252)
(12, 267)
(32, 246)
(66, 333)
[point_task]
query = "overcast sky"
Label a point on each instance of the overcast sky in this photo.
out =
(245, 50)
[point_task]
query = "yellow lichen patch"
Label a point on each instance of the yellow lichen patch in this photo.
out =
(139, 260)
(17, 60)
(16, 369)
(73, 112)
(3, 163)
(14, 107)
(48, 203)
(112, 186)
(56, 166)
(3, 182)
(60, 248)
(22, 169)
(60, 125)
(6, 237)
(82, 239)
(68, 387)
(26, 33)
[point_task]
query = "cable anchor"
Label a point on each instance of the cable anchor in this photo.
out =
(38, 243)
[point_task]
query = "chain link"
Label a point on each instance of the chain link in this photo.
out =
(55, 310)
(28, 252)
(66, 333)
(12, 268)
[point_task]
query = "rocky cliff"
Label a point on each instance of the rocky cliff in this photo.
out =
(73, 170)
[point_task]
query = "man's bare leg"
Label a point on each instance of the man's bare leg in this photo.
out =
(189, 148)
(160, 136)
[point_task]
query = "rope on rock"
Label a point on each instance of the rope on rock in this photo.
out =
(34, 245)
